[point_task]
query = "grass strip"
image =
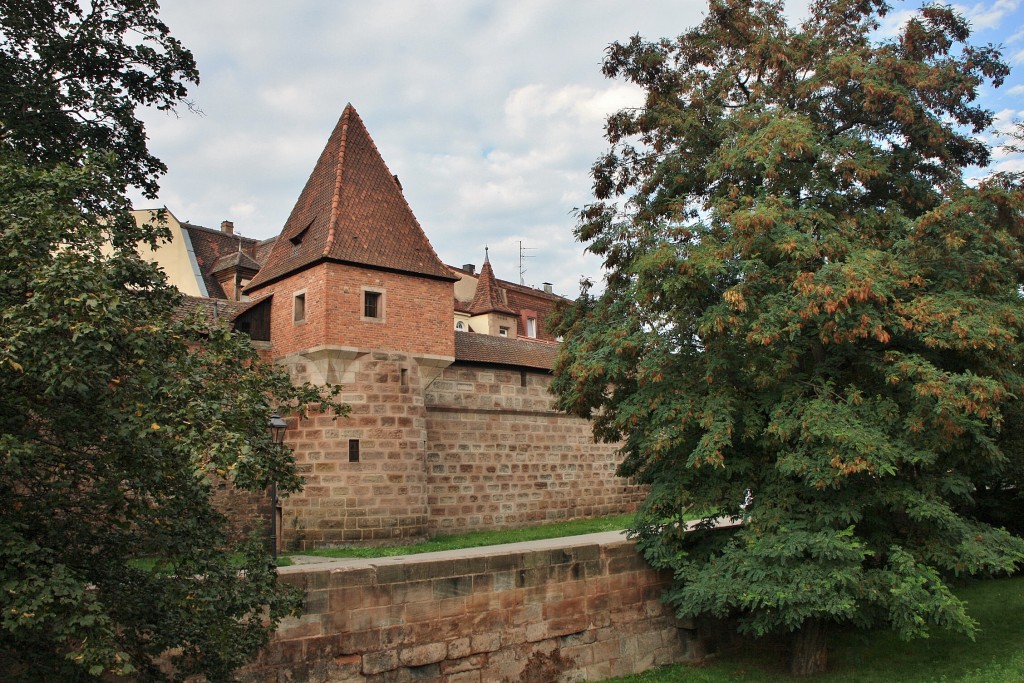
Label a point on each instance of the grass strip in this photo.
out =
(475, 539)
(995, 656)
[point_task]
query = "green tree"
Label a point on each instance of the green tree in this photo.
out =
(810, 320)
(114, 410)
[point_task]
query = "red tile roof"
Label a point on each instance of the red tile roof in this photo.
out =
(239, 260)
(262, 251)
(212, 310)
(488, 296)
(351, 210)
(484, 348)
(209, 245)
(514, 298)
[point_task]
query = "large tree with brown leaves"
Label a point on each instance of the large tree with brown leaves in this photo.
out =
(811, 320)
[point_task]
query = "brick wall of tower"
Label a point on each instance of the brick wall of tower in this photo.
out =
(417, 311)
(287, 335)
(500, 455)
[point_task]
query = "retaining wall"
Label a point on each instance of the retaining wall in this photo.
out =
(571, 609)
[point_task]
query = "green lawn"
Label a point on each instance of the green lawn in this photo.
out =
(475, 539)
(996, 656)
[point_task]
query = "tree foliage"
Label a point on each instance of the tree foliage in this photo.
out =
(811, 321)
(115, 411)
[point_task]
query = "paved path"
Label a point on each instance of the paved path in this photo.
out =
(303, 562)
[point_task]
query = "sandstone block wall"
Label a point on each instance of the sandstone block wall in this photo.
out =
(383, 495)
(577, 609)
(500, 455)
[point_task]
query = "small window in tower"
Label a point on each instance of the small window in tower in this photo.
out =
(353, 450)
(403, 377)
(531, 327)
(299, 308)
(373, 305)
(522, 378)
(503, 331)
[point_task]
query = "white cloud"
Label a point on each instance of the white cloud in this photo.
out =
(986, 15)
(491, 113)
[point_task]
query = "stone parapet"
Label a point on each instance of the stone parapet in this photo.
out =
(582, 608)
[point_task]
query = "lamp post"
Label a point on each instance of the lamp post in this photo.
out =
(277, 427)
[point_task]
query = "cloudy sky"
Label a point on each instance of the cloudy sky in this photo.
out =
(490, 112)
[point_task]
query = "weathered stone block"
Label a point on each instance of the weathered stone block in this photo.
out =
(452, 587)
(459, 648)
(423, 654)
(377, 662)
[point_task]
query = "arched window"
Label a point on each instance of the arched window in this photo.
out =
(460, 326)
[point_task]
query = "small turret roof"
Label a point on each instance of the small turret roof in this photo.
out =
(488, 297)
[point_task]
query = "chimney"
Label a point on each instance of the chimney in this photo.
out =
(547, 288)
(470, 268)
(227, 227)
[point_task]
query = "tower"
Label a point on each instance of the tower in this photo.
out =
(358, 297)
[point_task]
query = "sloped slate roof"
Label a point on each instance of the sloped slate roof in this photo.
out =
(351, 210)
(484, 348)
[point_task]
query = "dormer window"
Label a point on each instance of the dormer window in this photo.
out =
(460, 326)
(503, 331)
(297, 239)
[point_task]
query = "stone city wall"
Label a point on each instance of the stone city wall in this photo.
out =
(500, 455)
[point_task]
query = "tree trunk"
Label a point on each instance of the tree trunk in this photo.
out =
(810, 649)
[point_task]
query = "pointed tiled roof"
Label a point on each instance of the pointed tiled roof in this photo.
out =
(352, 210)
(488, 298)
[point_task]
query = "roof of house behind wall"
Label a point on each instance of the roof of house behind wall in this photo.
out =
(484, 348)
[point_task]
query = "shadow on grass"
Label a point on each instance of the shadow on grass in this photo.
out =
(995, 656)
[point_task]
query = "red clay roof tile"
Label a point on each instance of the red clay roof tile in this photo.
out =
(488, 296)
(484, 348)
(351, 210)
(209, 245)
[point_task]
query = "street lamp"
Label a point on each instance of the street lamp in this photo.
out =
(276, 426)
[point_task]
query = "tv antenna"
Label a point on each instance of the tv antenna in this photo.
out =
(522, 257)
